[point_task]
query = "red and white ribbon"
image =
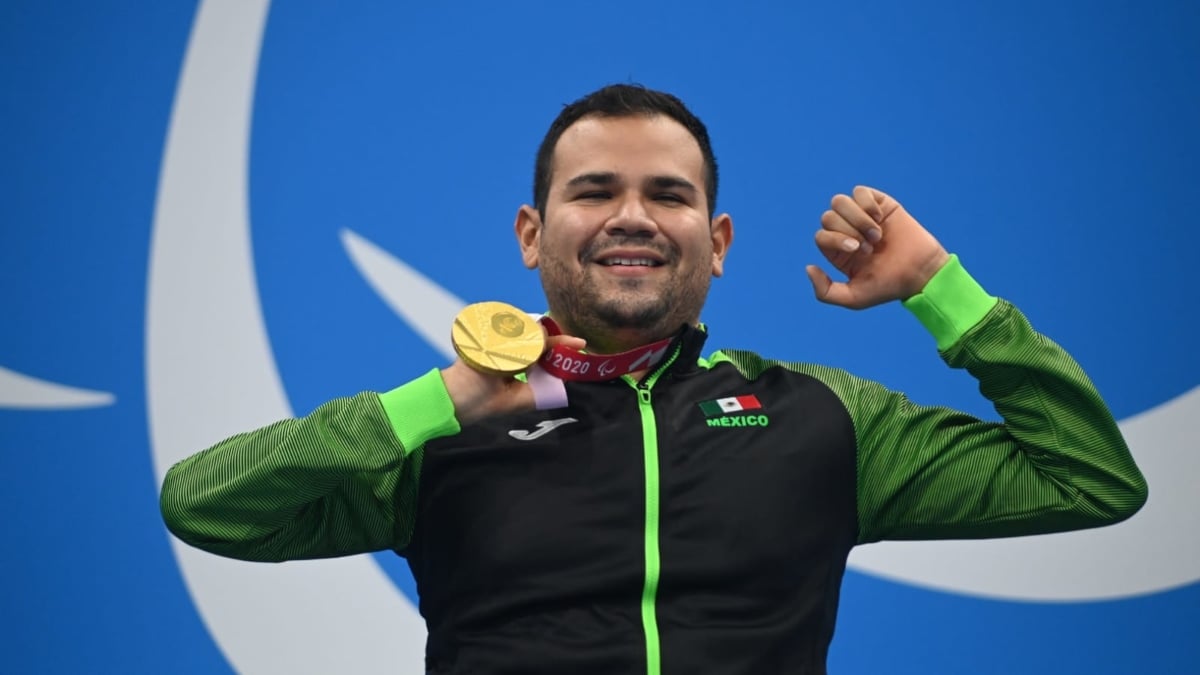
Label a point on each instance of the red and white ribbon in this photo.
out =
(561, 363)
(572, 364)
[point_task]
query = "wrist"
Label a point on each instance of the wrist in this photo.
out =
(927, 272)
(465, 392)
(476, 395)
(950, 303)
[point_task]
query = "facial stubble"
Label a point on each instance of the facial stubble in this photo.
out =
(592, 309)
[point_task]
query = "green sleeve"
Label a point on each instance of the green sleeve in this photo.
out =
(339, 481)
(1056, 462)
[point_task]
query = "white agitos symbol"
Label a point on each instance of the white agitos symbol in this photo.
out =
(210, 372)
(24, 392)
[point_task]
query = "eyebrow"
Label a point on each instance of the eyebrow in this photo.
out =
(594, 178)
(610, 178)
(672, 182)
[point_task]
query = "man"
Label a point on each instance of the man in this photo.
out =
(692, 516)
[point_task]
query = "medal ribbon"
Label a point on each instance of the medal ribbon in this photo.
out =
(570, 364)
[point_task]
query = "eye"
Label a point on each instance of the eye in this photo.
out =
(669, 197)
(596, 195)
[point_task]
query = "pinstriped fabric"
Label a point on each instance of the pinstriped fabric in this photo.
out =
(1057, 462)
(332, 483)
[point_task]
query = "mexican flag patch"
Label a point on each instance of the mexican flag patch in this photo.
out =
(732, 404)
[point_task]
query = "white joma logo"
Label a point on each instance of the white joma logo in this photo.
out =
(543, 428)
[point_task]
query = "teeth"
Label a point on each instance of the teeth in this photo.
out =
(634, 262)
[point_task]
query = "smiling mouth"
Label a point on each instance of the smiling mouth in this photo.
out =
(630, 262)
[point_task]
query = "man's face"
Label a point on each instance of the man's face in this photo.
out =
(626, 250)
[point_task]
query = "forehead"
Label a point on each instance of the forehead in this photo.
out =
(632, 147)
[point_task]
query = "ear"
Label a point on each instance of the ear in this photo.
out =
(722, 238)
(528, 227)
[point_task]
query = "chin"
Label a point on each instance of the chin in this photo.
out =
(633, 317)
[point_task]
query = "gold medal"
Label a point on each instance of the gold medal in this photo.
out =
(497, 338)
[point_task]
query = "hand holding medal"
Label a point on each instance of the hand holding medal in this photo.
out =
(501, 341)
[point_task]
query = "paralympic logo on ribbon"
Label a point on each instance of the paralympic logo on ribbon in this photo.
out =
(606, 369)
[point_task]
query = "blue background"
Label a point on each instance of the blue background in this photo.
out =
(1055, 147)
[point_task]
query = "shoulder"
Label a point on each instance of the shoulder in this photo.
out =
(753, 365)
(850, 388)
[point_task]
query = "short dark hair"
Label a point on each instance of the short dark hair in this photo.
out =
(622, 100)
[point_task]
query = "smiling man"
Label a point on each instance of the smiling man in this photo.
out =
(686, 513)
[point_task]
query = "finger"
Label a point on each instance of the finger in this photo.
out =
(569, 341)
(836, 247)
(886, 203)
(820, 281)
(841, 234)
(826, 289)
(561, 339)
(866, 200)
(856, 217)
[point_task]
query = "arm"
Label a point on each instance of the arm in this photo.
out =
(1057, 462)
(339, 481)
(342, 480)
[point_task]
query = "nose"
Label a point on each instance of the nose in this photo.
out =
(631, 218)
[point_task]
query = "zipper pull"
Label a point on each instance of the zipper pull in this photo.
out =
(644, 395)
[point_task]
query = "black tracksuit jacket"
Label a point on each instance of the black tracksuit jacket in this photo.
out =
(653, 526)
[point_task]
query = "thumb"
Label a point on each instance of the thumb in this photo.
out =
(827, 290)
(569, 341)
(821, 282)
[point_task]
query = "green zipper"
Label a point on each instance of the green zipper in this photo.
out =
(653, 562)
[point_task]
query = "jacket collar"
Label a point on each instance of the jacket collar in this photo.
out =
(690, 343)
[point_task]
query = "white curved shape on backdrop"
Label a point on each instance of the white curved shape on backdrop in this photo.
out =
(22, 392)
(1154, 551)
(425, 306)
(1146, 554)
(210, 372)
